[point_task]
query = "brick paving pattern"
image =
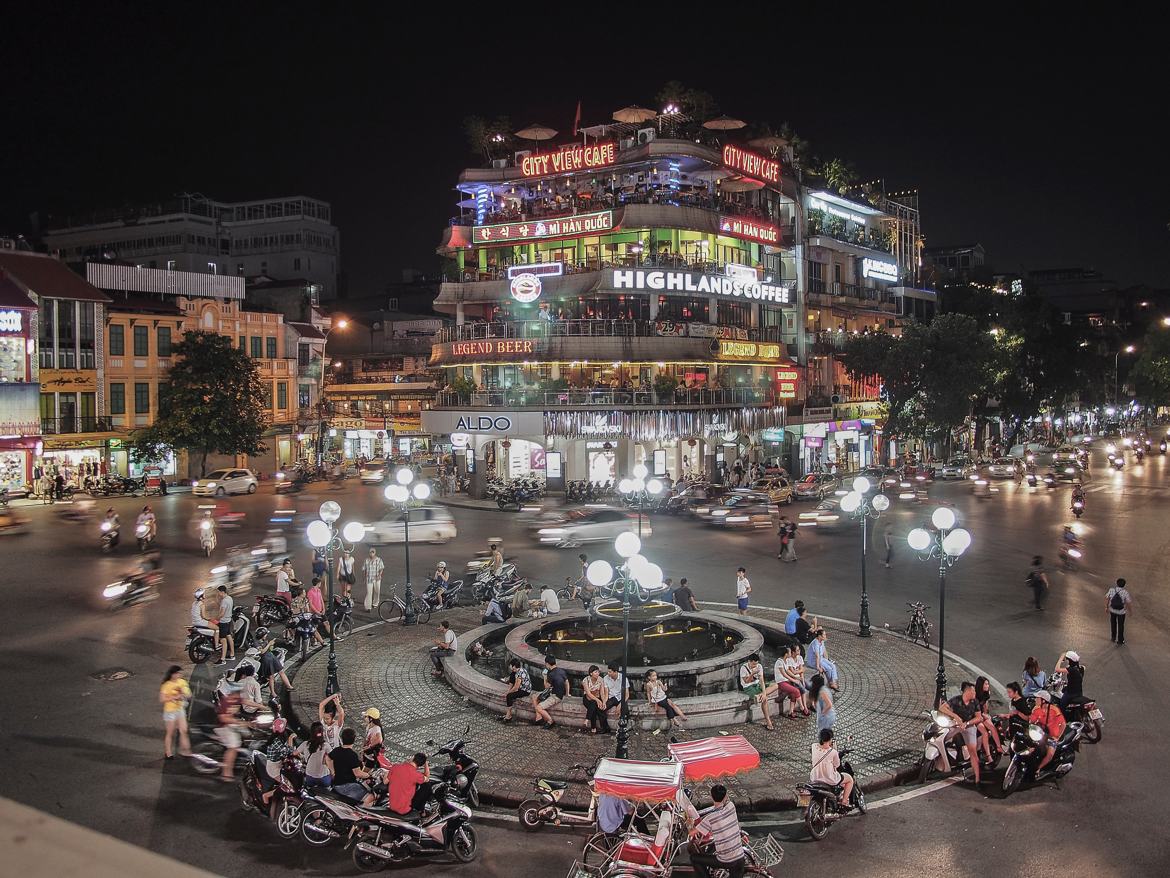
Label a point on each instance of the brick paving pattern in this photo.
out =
(886, 684)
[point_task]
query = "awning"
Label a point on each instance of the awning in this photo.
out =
(715, 757)
(638, 781)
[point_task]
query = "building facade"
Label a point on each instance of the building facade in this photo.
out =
(276, 237)
(627, 300)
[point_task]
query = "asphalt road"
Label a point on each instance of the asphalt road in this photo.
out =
(88, 749)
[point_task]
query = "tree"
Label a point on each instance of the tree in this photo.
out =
(837, 174)
(214, 403)
(493, 139)
(1151, 373)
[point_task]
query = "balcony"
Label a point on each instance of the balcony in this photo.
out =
(680, 262)
(76, 424)
(607, 399)
(858, 236)
(587, 329)
(828, 293)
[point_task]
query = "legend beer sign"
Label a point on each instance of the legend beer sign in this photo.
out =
(786, 382)
(569, 158)
(748, 229)
(561, 227)
(751, 165)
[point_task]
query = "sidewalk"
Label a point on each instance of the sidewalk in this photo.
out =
(886, 683)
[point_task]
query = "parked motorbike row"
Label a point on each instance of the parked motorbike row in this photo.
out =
(516, 492)
(589, 492)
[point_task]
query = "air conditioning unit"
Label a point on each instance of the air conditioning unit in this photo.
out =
(521, 156)
(499, 163)
(645, 135)
(835, 399)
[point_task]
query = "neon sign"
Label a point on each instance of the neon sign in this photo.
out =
(751, 165)
(740, 227)
(493, 348)
(787, 382)
(525, 288)
(540, 269)
(879, 269)
(687, 282)
(10, 321)
(748, 350)
(561, 227)
(569, 158)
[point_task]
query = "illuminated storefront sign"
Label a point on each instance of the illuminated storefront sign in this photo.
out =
(878, 269)
(787, 383)
(748, 350)
(561, 227)
(569, 158)
(525, 288)
(441, 423)
(492, 348)
(348, 423)
(836, 211)
(11, 321)
(751, 164)
(739, 227)
(687, 282)
(540, 269)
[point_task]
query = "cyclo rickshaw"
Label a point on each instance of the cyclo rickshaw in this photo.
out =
(153, 481)
(657, 791)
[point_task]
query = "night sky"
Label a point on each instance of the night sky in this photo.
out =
(1044, 142)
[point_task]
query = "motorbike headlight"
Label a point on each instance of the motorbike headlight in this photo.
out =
(106, 526)
(1036, 734)
(461, 781)
(1074, 553)
(205, 525)
(941, 719)
(117, 589)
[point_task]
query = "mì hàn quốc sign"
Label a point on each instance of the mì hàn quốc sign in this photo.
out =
(577, 157)
(531, 230)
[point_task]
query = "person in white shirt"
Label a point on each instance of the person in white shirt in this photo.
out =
(743, 588)
(374, 567)
(197, 619)
(447, 644)
(284, 578)
(1117, 601)
(826, 766)
(550, 603)
(227, 643)
(346, 565)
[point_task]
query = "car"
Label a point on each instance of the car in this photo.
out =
(777, 488)
(1004, 468)
(429, 524)
(373, 472)
(225, 481)
(741, 509)
(590, 526)
(816, 486)
(1070, 471)
(960, 467)
(826, 516)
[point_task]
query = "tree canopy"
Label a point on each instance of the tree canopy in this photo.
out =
(214, 403)
(1151, 373)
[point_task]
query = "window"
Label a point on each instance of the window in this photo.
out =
(171, 265)
(212, 268)
(141, 341)
(164, 388)
(118, 399)
(48, 315)
(117, 340)
(257, 347)
(282, 394)
(243, 343)
(303, 354)
(297, 264)
(267, 394)
(270, 346)
(86, 335)
(304, 395)
(66, 335)
(141, 398)
(88, 411)
(164, 341)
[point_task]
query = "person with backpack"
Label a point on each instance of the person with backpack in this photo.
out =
(1038, 581)
(1117, 603)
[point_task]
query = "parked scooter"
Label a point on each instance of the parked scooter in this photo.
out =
(944, 752)
(286, 802)
(383, 837)
(546, 808)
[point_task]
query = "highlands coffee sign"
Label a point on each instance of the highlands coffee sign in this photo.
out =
(569, 158)
(689, 282)
(532, 230)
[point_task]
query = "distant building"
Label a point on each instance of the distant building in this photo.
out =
(277, 237)
(964, 262)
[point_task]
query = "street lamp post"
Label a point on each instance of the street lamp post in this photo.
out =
(322, 408)
(639, 490)
(323, 535)
(1128, 349)
(862, 506)
(635, 579)
(947, 543)
(400, 494)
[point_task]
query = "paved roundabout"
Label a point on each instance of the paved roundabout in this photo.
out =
(886, 684)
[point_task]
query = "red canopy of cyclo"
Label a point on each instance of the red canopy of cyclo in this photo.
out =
(715, 757)
(638, 781)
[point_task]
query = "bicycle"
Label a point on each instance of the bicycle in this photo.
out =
(393, 608)
(918, 628)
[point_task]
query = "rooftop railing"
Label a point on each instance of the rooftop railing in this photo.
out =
(681, 262)
(579, 328)
(599, 398)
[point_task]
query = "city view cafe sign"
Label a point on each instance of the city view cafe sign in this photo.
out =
(667, 281)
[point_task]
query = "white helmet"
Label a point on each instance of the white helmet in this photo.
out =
(1044, 695)
(198, 594)
(1072, 656)
(442, 565)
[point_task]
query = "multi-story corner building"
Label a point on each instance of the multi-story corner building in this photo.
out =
(149, 311)
(67, 334)
(379, 382)
(20, 422)
(277, 237)
(632, 298)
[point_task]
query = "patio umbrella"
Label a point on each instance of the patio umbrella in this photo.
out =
(708, 174)
(536, 131)
(634, 113)
(740, 184)
(772, 143)
(724, 123)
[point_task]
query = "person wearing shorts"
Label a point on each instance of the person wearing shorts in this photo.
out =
(520, 686)
(743, 588)
(174, 695)
(227, 644)
(556, 689)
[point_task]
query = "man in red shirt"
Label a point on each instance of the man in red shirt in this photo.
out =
(1048, 716)
(403, 781)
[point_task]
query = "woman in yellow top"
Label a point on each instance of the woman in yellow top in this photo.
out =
(174, 695)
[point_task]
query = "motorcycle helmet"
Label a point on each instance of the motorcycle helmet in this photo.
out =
(442, 565)
(261, 633)
(279, 725)
(1044, 695)
(1072, 656)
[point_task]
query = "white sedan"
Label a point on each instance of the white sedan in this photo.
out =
(429, 524)
(590, 526)
(373, 473)
(225, 481)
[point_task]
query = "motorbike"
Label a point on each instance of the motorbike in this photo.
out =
(206, 538)
(1070, 556)
(1027, 749)
(383, 838)
(270, 610)
(945, 752)
(109, 536)
(1082, 710)
(1078, 508)
(286, 801)
(144, 535)
(303, 626)
(460, 771)
(137, 588)
(821, 801)
(207, 755)
(546, 808)
(201, 640)
(290, 483)
(1162, 447)
(1032, 480)
(450, 595)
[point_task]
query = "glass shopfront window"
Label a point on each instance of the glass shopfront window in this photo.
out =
(735, 314)
(48, 320)
(680, 310)
(66, 335)
(12, 360)
(86, 335)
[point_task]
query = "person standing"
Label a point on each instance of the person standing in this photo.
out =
(822, 701)
(346, 566)
(743, 588)
(721, 822)
(1117, 603)
(1038, 580)
(783, 534)
(374, 567)
(174, 695)
(685, 598)
(888, 536)
(227, 643)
